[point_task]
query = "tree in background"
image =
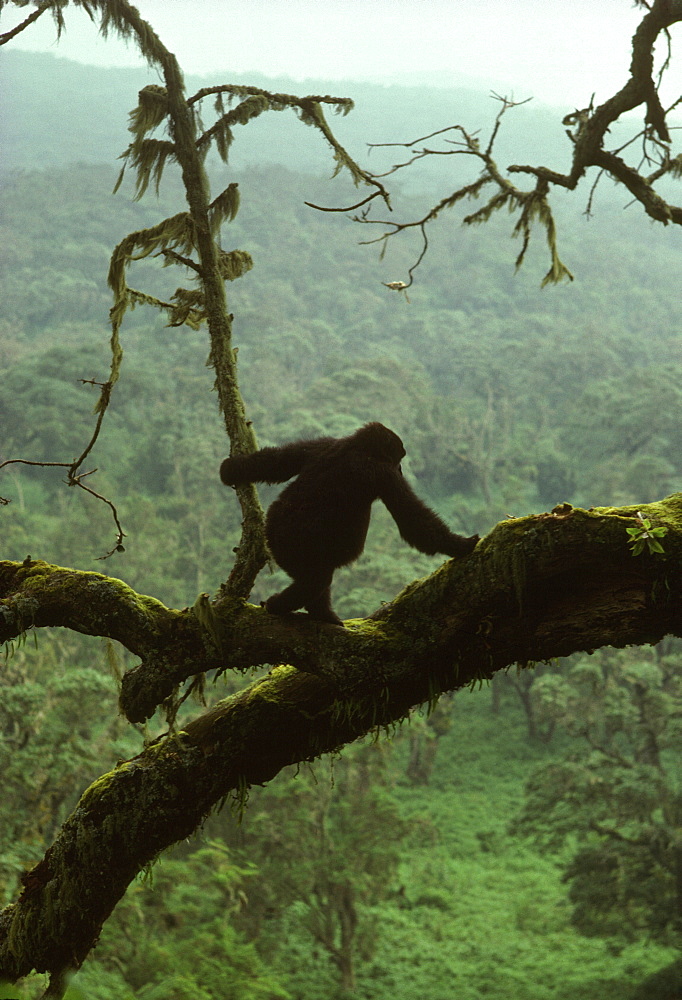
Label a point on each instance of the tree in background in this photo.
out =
(617, 796)
(323, 858)
(536, 587)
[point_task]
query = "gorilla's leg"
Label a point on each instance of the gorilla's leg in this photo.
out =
(320, 608)
(312, 593)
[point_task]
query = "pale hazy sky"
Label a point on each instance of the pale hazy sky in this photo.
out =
(558, 51)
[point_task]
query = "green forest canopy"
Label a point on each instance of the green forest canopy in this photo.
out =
(482, 474)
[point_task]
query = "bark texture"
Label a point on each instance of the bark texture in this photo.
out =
(535, 588)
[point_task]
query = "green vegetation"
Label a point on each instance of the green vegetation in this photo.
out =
(408, 866)
(615, 795)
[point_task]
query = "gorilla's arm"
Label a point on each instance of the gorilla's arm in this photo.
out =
(270, 465)
(418, 525)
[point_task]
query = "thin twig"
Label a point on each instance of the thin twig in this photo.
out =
(349, 208)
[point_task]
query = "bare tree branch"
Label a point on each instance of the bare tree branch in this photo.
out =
(588, 130)
(7, 36)
(535, 588)
(73, 476)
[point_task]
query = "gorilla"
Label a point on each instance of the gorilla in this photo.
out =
(319, 522)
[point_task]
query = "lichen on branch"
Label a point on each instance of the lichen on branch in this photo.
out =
(536, 587)
(588, 129)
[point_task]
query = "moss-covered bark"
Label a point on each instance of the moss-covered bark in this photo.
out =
(536, 587)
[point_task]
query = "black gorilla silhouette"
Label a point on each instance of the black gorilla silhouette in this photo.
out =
(320, 521)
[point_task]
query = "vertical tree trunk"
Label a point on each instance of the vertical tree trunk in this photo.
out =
(348, 920)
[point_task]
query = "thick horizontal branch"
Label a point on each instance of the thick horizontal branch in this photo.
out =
(535, 588)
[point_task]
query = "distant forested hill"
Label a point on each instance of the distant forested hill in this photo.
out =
(510, 397)
(56, 111)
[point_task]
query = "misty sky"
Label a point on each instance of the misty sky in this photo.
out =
(558, 51)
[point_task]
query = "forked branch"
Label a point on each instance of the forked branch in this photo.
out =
(589, 131)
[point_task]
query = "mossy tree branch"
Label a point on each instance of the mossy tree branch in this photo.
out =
(195, 232)
(589, 130)
(41, 9)
(535, 588)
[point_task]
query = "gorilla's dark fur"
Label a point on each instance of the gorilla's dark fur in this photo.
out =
(320, 521)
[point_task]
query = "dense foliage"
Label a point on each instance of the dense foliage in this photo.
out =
(393, 872)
